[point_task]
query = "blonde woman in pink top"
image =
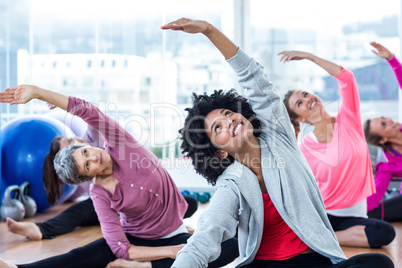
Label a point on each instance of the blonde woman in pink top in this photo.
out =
(336, 151)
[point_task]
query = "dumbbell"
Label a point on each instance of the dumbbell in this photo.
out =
(195, 195)
(11, 206)
(192, 194)
(204, 197)
(201, 197)
(26, 199)
(185, 192)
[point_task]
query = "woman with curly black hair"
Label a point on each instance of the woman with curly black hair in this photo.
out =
(264, 186)
(212, 166)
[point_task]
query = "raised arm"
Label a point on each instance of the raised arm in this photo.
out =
(381, 51)
(24, 93)
(260, 91)
(346, 82)
(109, 128)
(222, 43)
(332, 68)
(384, 53)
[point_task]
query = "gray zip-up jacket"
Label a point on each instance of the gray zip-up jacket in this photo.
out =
(238, 201)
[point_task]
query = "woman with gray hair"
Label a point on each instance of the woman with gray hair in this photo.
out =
(66, 167)
(78, 215)
(127, 178)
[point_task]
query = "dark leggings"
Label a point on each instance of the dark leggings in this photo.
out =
(80, 214)
(83, 214)
(98, 254)
(379, 233)
(392, 209)
(315, 260)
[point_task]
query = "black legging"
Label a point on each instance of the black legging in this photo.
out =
(80, 214)
(315, 260)
(98, 254)
(379, 233)
(392, 210)
(83, 214)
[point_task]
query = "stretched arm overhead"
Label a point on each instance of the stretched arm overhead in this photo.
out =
(382, 51)
(346, 83)
(332, 68)
(24, 93)
(260, 91)
(222, 43)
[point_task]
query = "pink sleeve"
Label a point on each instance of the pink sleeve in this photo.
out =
(350, 96)
(397, 68)
(109, 128)
(383, 177)
(111, 227)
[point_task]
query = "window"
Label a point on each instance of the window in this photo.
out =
(337, 31)
(117, 53)
(75, 49)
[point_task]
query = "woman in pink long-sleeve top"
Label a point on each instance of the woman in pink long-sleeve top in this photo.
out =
(337, 154)
(126, 178)
(386, 133)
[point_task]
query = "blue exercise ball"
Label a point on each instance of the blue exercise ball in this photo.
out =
(25, 142)
(3, 187)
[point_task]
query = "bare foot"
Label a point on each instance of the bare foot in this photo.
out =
(127, 264)
(3, 264)
(28, 229)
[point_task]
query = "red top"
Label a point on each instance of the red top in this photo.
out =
(278, 241)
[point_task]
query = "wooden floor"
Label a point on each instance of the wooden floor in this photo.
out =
(18, 249)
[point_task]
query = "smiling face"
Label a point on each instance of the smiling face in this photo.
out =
(92, 161)
(307, 106)
(385, 127)
(227, 130)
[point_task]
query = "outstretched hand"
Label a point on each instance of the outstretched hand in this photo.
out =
(382, 51)
(18, 94)
(187, 25)
(293, 55)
